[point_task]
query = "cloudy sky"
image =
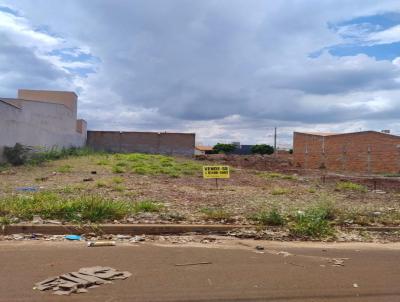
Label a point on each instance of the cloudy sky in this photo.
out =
(229, 70)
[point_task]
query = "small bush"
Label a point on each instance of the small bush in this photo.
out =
(314, 222)
(350, 186)
(4, 167)
(17, 155)
(272, 217)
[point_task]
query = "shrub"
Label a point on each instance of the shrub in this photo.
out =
(4, 166)
(350, 186)
(314, 222)
(17, 155)
(272, 217)
(262, 149)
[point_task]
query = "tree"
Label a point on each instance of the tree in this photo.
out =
(224, 148)
(262, 149)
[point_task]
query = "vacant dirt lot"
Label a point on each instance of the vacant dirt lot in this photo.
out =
(176, 187)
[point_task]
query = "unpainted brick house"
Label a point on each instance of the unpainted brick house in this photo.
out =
(360, 152)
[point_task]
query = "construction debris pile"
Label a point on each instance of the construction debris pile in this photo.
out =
(81, 281)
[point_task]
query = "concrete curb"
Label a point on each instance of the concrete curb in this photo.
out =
(146, 229)
(123, 229)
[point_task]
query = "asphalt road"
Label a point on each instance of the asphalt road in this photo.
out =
(236, 273)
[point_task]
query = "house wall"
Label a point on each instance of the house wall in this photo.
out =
(67, 98)
(38, 124)
(362, 152)
(142, 142)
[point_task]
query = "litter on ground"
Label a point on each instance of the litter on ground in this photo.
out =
(80, 281)
(101, 243)
(72, 237)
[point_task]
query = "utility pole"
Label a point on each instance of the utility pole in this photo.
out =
(275, 141)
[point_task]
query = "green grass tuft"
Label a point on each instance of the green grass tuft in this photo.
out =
(280, 191)
(64, 169)
(350, 186)
(147, 206)
(117, 180)
(101, 184)
(272, 217)
(118, 169)
(51, 206)
(274, 175)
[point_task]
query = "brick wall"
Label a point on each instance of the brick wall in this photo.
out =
(360, 152)
(142, 142)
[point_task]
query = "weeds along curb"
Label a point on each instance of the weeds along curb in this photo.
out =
(123, 229)
(147, 229)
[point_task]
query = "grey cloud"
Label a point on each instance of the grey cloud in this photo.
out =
(21, 68)
(330, 75)
(204, 61)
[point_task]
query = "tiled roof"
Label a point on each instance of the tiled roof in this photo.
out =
(204, 148)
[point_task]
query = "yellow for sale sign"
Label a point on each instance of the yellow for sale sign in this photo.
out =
(215, 171)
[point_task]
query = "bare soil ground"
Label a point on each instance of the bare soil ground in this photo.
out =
(235, 271)
(192, 199)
